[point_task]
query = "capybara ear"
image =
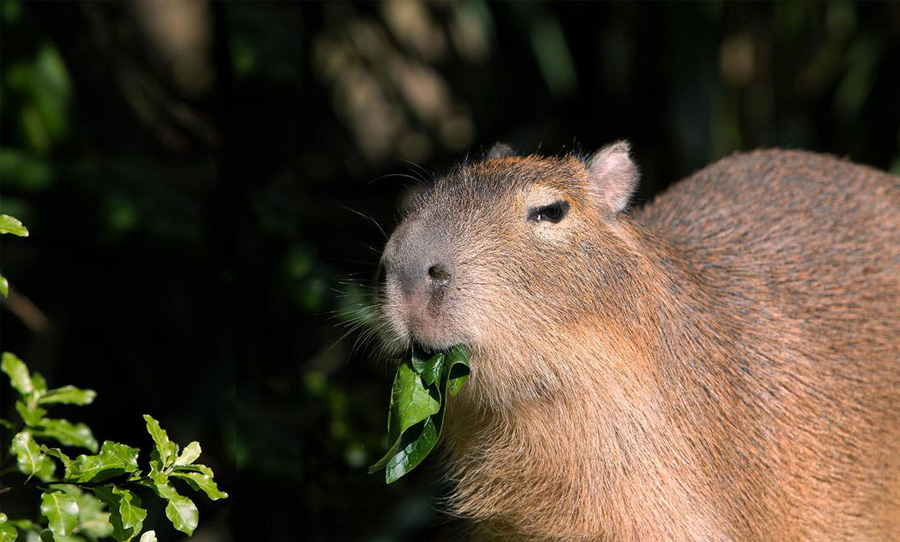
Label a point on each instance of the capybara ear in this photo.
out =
(612, 176)
(500, 150)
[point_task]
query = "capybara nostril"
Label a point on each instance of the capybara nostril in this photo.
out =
(439, 273)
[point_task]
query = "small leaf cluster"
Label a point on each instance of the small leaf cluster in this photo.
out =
(166, 464)
(418, 402)
(94, 497)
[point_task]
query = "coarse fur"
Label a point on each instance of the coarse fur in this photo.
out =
(720, 364)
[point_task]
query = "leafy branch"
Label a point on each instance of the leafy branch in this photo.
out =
(92, 495)
(93, 498)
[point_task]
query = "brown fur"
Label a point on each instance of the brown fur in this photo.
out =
(721, 364)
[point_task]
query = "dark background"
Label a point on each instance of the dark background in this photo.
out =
(197, 179)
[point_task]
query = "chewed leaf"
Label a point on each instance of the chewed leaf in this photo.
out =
(418, 402)
(411, 404)
(429, 369)
(411, 401)
(458, 369)
(413, 449)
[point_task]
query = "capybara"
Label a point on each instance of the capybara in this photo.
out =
(722, 363)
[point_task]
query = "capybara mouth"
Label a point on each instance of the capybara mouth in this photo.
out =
(423, 351)
(426, 345)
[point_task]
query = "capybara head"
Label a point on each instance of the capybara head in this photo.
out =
(511, 257)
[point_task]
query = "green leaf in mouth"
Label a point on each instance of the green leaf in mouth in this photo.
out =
(418, 402)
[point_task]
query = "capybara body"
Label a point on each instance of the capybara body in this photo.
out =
(720, 364)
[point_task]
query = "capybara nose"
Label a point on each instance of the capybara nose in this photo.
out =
(439, 274)
(419, 274)
(415, 261)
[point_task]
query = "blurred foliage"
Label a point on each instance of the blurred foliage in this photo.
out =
(228, 166)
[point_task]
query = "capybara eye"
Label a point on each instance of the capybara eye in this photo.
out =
(552, 213)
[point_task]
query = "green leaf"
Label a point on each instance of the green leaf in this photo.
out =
(183, 514)
(69, 395)
(37, 380)
(61, 510)
(29, 457)
(68, 433)
(126, 513)
(190, 454)
(127, 456)
(31, 416)
(4, 286)
(58, 454)
(180, 510)
(94, 468)
(47, 470)
(166, 450)
(23, 524)
(457, 369)
(149, 536)
(130, 509)
(418, 402)
(17, 372)
(411, 401)
(429, 369)
(12, 225)
(8, 533)
(202, 482)
(113, 460)
(93, 519)
(411, 406)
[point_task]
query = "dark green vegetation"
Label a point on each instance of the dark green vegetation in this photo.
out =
(188, 176)
(419, 398)
(94, 497)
